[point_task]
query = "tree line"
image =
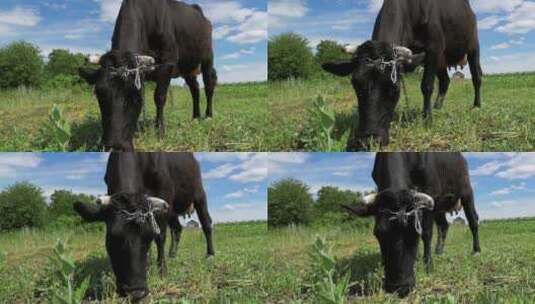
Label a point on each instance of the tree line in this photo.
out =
(291, 203)
(21, 65)
(23, 205)
(291, 57)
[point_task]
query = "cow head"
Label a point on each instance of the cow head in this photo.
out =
(397, 228)
(132, 222)
(118, 86)
(375, 70)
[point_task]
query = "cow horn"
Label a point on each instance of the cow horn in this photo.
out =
(350, 48)
(103, 200)
(95, 59)
(145, 60)
(403, 53)
(370, 198)
(157, 204)
(424, 200)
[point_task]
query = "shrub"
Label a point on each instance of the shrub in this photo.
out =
(328, 50)
(61, 82)
(62, 287)
(22, 205)
(328, 286)
(62, 62)
(61, 202)
(290, 57)
(20, 65)
(289, 202)
(55, 133)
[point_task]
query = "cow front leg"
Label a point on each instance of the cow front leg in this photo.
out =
(472, 217)
(193, 85)
(427, 237)
(442, 228)
(176, 232)
(160, 247)
(477, 73)
(428, 83)
(160, 98)
(206, 222)
(443, 85)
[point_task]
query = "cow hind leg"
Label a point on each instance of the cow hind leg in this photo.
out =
(193, 85)
(472, 217)
(477, 73)
(176, 232)
(443, 85)
(160, 98)
(210, 81)
(206, 222)
(442, 229)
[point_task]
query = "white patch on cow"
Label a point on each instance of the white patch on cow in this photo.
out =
(103, 200)
(350, 49)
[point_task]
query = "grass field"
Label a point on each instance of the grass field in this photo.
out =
(503, 273)
(239, 123)
(504, 123)
(238, 273)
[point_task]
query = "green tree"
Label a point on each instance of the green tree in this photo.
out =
(290, 57)
(20, 65)
(331, 199)
(22, 205)
(62, 62)
(289, 202)
(328, 50)
(61, 203)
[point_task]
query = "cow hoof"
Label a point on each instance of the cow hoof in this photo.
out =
(438, 105)
(476, 253)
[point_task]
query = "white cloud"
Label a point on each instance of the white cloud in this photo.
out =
(494, 6)
(375, 5)
(240, 53)
(510, 63)
(255, 71)
(109, 10)
(10, 163)
(288, 158)
(489, 22)
(521, 166)
(252, 30)
(20, 16)
(521, 20)
(509, 190)
(500, 46)
(501, 209)
(487, 169)
(220, 172)
(281, 11)
(241, 212)
(221, 156)
(243, 192)
(237, 194)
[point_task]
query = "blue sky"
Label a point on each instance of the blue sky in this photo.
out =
(86, 26)
(506, 27)
(235, 182)
(504, 183)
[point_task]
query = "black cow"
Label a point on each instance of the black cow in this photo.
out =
(156, 40)
(442, 33)
(413, 190)
(146, 191)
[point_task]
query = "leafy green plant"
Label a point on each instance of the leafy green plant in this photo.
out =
(63, 289)
(3, 258)
(56, 131)
(326, 118)
(329, 288)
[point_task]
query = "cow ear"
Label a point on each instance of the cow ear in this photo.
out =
(89, 74)
(360, 210)
(339, 68)
(90, 212)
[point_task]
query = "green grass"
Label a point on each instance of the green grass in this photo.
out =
(239, 123)
(504, 123)
(503, 273)
(237, 274)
